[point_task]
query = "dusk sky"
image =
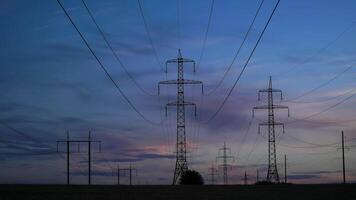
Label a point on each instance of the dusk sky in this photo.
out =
(50, 83)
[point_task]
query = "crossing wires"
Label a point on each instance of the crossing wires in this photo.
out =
(114, 53)
(237, 52)
(149, 35)
(245, 65)
(131, 105)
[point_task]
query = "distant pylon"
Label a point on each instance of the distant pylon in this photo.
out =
(225, 157)
(245, 179)
(181, 145)
(272, 173)
(212, 173)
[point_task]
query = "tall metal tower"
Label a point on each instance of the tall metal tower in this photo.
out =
(181, 145)
(225, 157)
(272, 173)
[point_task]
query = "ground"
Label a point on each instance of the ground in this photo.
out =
(259, 192)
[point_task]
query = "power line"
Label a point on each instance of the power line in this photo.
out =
(246, 63)
(320, 112)
(206, 33)
(244, 137)
(104, 69)
(237, 52)
(323, 84)
(149, 35)
(310, 58)
(324, 100)
(114, 53)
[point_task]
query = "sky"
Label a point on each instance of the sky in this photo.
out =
(50, 83)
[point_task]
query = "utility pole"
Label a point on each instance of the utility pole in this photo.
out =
(343, 157)
(225, 157)
(118, 174)
(212, 172)
(285, 168)
(181, 145)
(129, 169)
(272, 173)
(245, 179)
(68, 142)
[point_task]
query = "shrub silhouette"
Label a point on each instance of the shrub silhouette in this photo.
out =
(191, 177)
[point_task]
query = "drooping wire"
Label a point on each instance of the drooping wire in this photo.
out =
(237, 52)
(114, 53)
(245, 65)
(324, 100)
(178, 23)
(132, 106)
(244, 138)
(321, 85)
(206, 33)
(310, 58)
(322, 111)
(159, 62)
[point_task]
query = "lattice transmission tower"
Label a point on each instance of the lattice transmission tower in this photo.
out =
(225, 157)
(272, 173)
(181, 144)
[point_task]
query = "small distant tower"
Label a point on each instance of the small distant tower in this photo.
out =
(225, 157)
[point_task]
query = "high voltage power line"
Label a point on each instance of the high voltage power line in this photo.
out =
(310, 58)
(149, 35)
(245, 65)
(114, 53)
(321, 85)
(237, 52)
(324, 100)
(322, 111)
(206, 33)
(132, 106)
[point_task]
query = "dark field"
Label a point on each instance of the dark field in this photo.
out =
(260, 192)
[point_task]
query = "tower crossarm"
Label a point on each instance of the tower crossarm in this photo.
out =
(266, 107)
(180, 60)
(267, 124)
(185, 103)
(175, 82)
(270, 90)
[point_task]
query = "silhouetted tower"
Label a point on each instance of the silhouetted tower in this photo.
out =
(257, 176)
(225, 157)
(212, 173)
(245, 179)
(181, 145)
(272, 173)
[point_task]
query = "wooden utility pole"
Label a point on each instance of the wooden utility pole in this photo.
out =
(68, 142)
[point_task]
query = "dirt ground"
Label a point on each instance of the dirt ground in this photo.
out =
(258, 192)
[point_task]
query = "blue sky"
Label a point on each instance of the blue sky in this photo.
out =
(50, 83)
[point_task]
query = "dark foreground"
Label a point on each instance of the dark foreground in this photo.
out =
(259, 192)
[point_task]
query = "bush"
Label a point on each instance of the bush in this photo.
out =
(191, 177)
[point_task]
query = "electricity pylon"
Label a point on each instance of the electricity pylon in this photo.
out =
(245, 179)
(181, 145)
(272, 173)
(225, 157)
(212, 173)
